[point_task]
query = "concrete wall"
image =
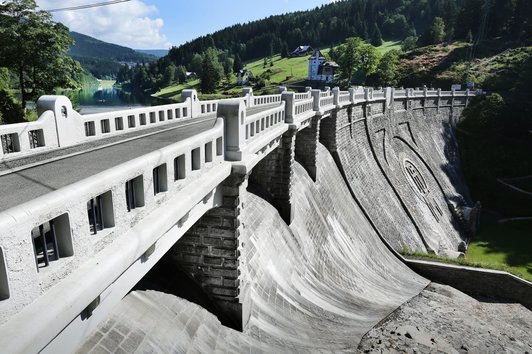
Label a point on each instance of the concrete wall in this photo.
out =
(484, 283)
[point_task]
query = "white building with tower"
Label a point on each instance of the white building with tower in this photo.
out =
(319, 69)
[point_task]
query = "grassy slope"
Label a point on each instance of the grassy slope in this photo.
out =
(496, 246)
(285, 71)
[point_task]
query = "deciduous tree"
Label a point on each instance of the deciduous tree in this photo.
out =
(35, 47)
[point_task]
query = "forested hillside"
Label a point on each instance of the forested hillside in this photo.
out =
(416, 23)
(367, 19)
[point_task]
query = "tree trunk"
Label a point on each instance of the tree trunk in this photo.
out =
(22, 89)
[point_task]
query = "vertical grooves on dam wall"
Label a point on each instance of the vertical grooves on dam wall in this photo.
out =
(339, 165)
(427, 247)
(369, 184)
(401, 167)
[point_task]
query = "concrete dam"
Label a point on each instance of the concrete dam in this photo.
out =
(292, 249)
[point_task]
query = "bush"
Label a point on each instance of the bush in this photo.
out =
(10, 110)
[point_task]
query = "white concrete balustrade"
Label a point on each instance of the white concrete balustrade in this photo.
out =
(302, 96)
(61, 126)
(25, 138)
(124, 194)
(266, 100)
(118, 122)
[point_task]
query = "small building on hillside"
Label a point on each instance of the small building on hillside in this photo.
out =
(244, 77)
(301, 51)
(319, 69)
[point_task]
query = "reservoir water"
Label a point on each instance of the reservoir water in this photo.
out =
(96, 99)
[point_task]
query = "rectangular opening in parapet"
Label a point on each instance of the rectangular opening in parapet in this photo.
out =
(131, 121)
(89, 129)
(196, 159)
(100, 212)
(142, 118)
(177, 113)
(185, 111)
(153, 119)
(36, 138)
(135, 193)
(106, 128)
(219, 147)
(160, 178)
(208, 152)
(179, 168)
(161, 116)
(170, 114)
(52, 240)
(119, 123)
(10, 143)
(4, 285)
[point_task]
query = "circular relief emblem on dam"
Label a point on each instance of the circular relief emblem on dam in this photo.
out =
(415, 178)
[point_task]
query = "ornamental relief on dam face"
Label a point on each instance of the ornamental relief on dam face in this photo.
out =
(418, 183)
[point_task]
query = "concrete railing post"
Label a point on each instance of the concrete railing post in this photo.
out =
(316, 96)
(389, 93)
(70, 128)
(248, 93)
(439, 99)
(290, 108)
(368, 94)
(308, 88)
(282, 89)
(466, 97)
(336, 95)
(234, 114)
(352, 92)
(195, 108)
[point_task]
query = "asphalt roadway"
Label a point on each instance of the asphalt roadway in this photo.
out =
(27, 184)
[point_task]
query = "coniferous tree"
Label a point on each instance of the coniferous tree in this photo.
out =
(211, 71)
(284, 50)
(376, 36)
(237, 65)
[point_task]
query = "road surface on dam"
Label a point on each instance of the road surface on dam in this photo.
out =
(45, 178)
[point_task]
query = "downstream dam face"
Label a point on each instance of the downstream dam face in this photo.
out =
(402, 167)
(323, 284)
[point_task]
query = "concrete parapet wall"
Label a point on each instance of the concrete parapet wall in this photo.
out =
(485, 283)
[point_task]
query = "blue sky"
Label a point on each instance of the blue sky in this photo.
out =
(155, 24)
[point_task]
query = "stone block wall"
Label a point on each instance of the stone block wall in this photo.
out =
(273, 176)
(209, 252)
(306, 147)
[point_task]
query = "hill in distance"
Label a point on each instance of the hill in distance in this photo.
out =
(159, 53)
(89, 47)
(102, 59)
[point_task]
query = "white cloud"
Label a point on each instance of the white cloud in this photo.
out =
(132, 24)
